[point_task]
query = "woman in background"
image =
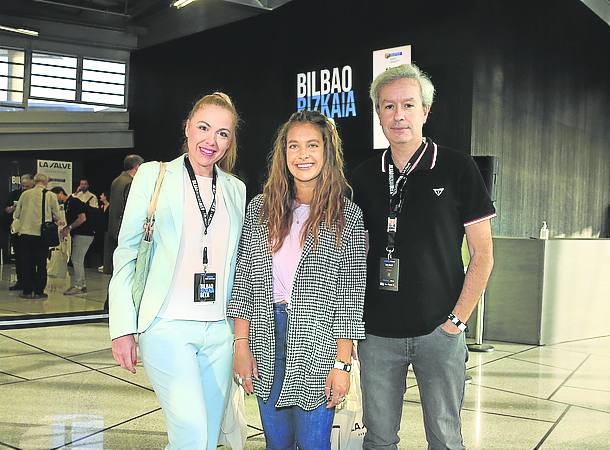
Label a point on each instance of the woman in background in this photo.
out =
(299, 287)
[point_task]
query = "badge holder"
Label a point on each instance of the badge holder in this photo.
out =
(388, 272)
(204, 283)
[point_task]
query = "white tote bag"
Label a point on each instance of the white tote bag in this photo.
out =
(234, 428)
(348, 429)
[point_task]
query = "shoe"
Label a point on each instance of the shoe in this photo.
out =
(42, 296)
(73, 291)
(15, 287)
(100, 269)
(26, 296)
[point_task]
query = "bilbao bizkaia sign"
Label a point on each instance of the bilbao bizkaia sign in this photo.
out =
(329, 91)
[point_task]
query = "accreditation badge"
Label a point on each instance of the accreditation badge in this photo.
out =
(388, 274)
(205, 287)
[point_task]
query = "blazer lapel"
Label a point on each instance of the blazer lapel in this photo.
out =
(229, 197)
(175, 197)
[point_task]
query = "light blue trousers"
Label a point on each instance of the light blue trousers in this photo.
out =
(189, 364)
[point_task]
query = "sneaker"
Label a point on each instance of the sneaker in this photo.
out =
(26, 296)
(73, 291)
(15, 287)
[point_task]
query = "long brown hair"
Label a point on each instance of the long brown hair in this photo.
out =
(227, 162)
(327, 204)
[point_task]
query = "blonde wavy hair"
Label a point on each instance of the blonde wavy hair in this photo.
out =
(227, 163)
(327, 204)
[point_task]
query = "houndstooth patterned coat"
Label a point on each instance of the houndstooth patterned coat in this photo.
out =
(326, 304)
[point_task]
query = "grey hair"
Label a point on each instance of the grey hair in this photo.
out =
(398, 73)
(26, 177)
(41, 178)
(132, 161)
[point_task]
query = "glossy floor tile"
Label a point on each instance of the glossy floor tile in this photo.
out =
(64, 390)
(594, 373)
(93, 300)
(597, 400)
(580, 429)
(520, 377)
(54, 411)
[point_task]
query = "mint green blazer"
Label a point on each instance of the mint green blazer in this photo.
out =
(166, 242)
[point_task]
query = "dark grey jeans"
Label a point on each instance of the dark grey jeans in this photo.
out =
(439, 362)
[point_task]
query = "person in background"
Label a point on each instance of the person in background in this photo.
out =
(301, 271)
(119, 191)
(184, 335)
(27, 182)
(33, 249)
(78, 227)
(101, 231)
(84, 194)
(418, 200)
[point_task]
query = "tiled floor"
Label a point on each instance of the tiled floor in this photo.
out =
(60, 388)
(92, 300)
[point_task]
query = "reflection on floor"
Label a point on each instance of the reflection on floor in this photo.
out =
(65, 391)
(12, 305)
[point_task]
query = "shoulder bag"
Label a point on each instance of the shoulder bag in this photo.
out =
(144, 257)
(49, 233)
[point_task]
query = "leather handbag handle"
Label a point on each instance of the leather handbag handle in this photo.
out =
(153, 201)
(44, 216)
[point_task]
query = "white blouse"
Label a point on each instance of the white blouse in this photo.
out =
(179, 303)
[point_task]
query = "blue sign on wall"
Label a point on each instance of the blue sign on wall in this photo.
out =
(328, 91)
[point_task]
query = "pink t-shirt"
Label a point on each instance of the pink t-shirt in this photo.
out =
(286, 259)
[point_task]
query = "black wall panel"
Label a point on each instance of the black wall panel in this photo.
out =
(541, 103)
(524, 81)
(257, 60)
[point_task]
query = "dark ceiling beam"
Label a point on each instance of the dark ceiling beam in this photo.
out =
(83, 8)
(267, 5)
(252, 3)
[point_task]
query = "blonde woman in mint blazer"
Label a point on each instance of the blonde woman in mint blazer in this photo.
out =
(184, 336)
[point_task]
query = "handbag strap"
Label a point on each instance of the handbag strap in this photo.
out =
(44, 196)
(153, 201)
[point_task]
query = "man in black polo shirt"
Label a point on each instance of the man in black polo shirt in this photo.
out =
(418, 200)
(82, 232)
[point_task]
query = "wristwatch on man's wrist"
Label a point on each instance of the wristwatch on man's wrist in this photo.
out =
(346, 367)
(462, 326)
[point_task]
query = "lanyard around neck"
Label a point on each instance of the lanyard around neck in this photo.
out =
(398, 188)
(206, 216)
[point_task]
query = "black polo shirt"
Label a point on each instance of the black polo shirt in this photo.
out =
(444, 193)
(74, 207)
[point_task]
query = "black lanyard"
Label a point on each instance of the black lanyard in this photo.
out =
(206, 216)
(398, 190)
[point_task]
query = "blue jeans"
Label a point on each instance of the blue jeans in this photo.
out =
(291, 427)
(439, 362)
(189, 365)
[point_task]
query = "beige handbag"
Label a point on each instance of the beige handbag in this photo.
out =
(145, 253)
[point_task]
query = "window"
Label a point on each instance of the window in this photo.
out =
(53, 81)
(12, 74)
(53, 77)
(103, 82)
